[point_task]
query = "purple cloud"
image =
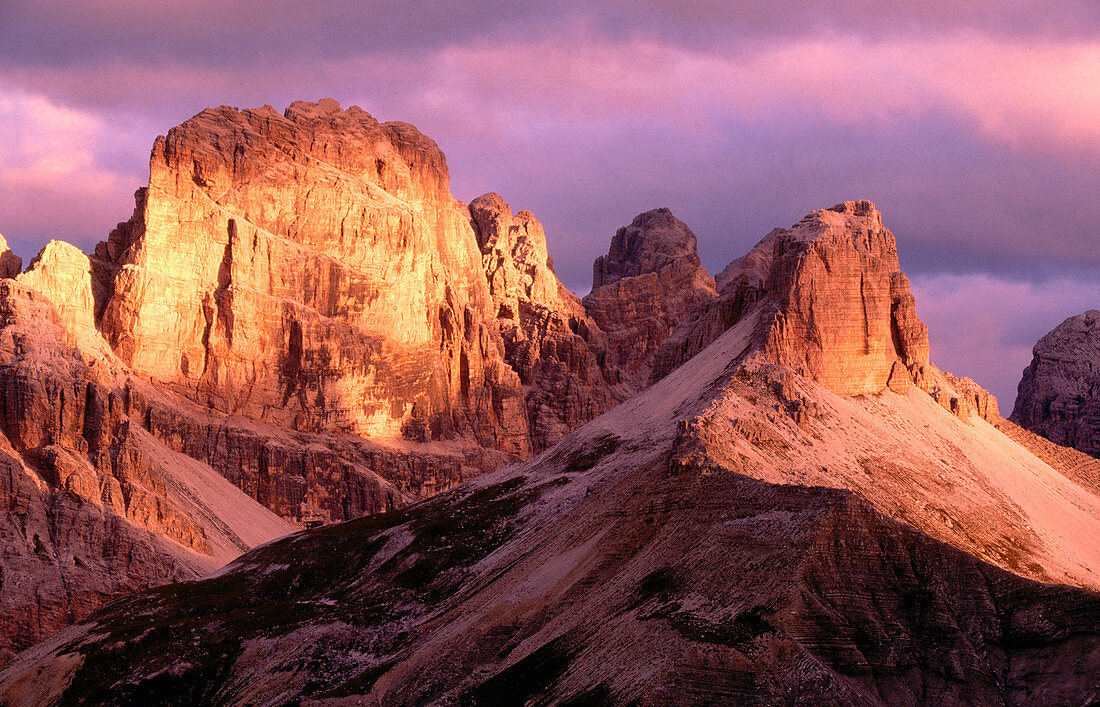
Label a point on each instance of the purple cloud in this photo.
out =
(975, 126)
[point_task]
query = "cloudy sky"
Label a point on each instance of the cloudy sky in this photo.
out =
(973, 124)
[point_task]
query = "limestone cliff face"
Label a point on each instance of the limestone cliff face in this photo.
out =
(288, 279)
(1059, 393)
(843, 312)
(694, 545)
(647, 283)
(836, 306)
(96, 507)
(73, 283)
(549, 340)
(311, 270)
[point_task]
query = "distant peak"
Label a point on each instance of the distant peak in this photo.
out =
(652, 241)
(490, 202)
(309, 109)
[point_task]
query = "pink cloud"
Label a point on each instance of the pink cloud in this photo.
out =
(984, 327)
(50, 176)
(1029, 94)
(1042, 95)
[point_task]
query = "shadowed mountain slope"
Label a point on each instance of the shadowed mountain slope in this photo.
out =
(1059, 392)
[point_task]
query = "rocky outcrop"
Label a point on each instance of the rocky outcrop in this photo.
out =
(649, 281)
(72, 282)
(838, 307)
(10, 263)
(1059, 393)
(653, 241)
(549, 340)
(299, 314)
(312, 271)
(96, 506)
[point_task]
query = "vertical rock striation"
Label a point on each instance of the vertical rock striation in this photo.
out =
(647, 283)
(549, 340)
(10, 263)
(95, 506)
(311, 270)
(834, 304)
(831, 303)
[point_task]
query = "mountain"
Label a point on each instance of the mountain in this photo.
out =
(804, 508)
(1059, 393)
(298, 324)
(96, 505)
(648, 282)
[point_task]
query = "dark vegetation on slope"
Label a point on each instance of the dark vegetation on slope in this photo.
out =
(182, 640)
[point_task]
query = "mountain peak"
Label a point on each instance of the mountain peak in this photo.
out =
(654, 240)
(648, 282)
(1056, 396)
(862, 207)
(10, 263)
(832, 301)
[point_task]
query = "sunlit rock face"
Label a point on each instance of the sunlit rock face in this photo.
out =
(844, 313)
(73, 283)
(311, 270)
(1058, 394)
(647, 283)
(96, 506)
(549, 340)
(838, 307)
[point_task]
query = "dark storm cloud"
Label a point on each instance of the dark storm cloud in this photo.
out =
(214, 33)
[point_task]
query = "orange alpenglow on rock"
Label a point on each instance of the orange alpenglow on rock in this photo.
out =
(311, 270)
(844, 313)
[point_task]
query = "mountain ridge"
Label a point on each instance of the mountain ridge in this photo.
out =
(298, 304)
(788, 405)
(720, 536)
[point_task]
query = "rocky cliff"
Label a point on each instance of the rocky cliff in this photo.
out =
(549, 339)
(648, 282)
(299, 324)
(311, 270)
(838, 306)
(96, 506)
(1059, 393)
(830, 302)
(298, 304)
(739, 532)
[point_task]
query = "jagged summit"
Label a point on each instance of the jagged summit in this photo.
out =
(652, 241)
(10, 263)
(549, 339)
(648, 282)
(834, 304)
